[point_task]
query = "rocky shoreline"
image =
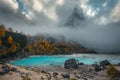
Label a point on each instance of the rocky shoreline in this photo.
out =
(71, 72)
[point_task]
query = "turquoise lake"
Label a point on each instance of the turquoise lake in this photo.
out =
(57, 60)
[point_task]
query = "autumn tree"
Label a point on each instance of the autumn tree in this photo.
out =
(29, 47)
(13, 48)
(2, 31)
(10, 40)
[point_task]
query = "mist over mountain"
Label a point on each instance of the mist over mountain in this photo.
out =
(75, 19)
(94, 24)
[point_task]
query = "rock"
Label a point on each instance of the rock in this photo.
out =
(55, 74)
(97, 67)
(13, 69)
(2, 61)
(116, 79)
(78, 76)
(66, 75)
(118, 64)
(104, 64)
(43, 71)
(81, 63)
(71, 63)
(85, 79)
(6, 68)
(90, 70)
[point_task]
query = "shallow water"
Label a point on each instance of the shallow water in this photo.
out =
(56, 60)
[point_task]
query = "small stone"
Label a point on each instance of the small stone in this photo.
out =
(97, 67)
(13, 69)
(66, 75)
(55, 74)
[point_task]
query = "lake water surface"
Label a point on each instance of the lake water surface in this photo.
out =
(56, 60)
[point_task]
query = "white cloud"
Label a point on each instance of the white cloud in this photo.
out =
(60, 2)
(11, 4)
(50, 12)
(87, 8)
(102, 20)
(37, 5)
(115, 13)
(28, 15)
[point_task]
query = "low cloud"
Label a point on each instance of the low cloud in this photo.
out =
(99, 30)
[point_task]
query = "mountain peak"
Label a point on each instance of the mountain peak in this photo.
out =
(75, 18)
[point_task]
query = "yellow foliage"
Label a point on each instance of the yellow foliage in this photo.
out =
(10, 40)
(2, 31)
(26, 78)
(47, 44)
(42, 47)
(112, 72)
(29, 47)
(13, 48)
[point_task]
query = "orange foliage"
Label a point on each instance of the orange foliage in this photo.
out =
(29, 47)
(10, 40)
(47, 44)
(2, 31)
(13, 48)
(42, 47)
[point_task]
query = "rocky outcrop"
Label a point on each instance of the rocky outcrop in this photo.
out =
(71, 63)
(104, 64)
(4, 69)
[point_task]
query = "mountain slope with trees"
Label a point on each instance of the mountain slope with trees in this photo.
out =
(14, 44)
(11, 42)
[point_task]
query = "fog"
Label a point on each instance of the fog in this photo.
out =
(100, 29)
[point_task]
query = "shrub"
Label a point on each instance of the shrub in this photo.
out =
(26, 78)
(73, 79)
(112, 72)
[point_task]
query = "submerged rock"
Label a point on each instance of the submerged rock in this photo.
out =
(71, 63)
(81, 63)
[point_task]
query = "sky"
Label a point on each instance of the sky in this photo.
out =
(100, 29)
